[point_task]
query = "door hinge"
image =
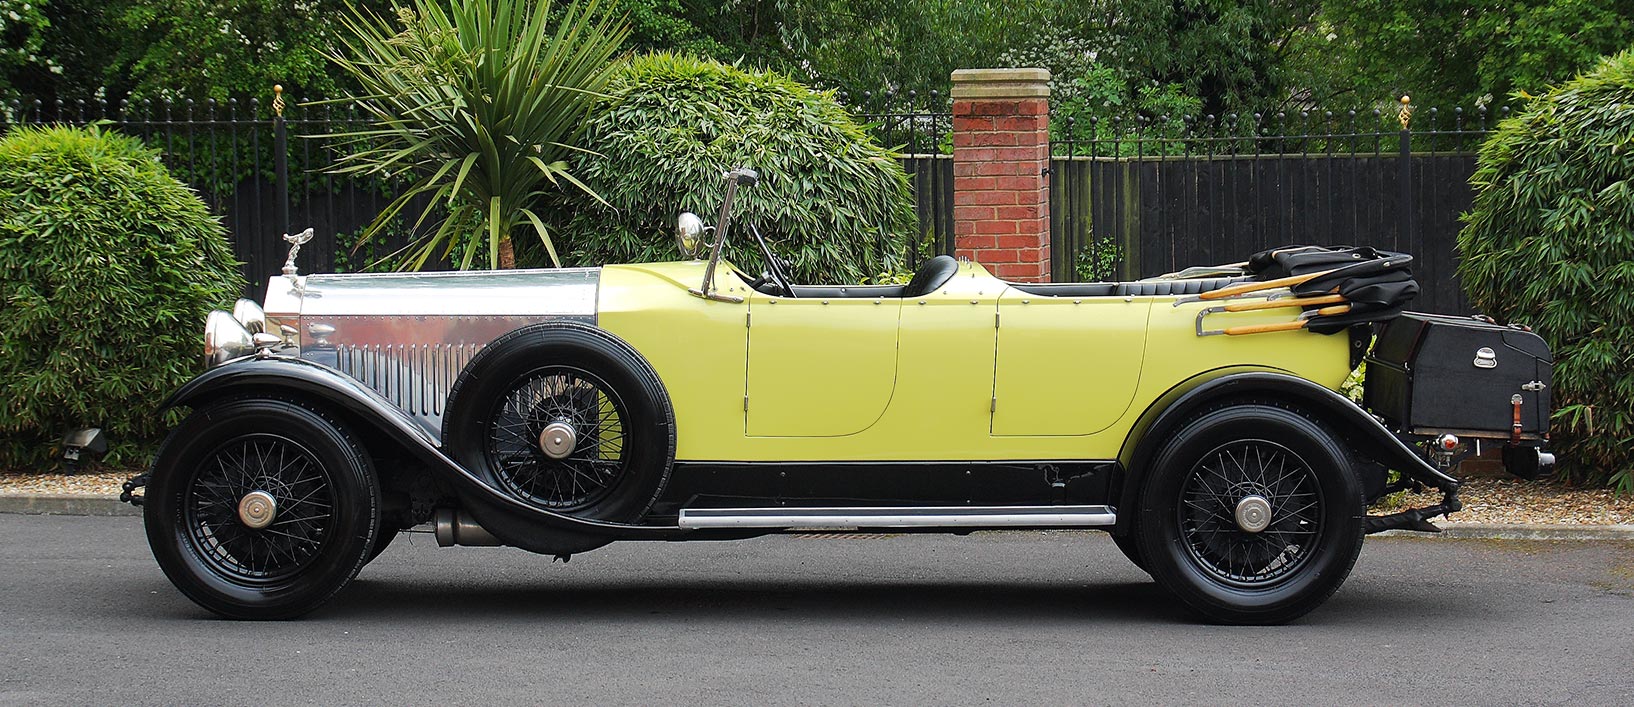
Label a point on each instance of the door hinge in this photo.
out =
(995, 320)
(1534, 386)
(746, 318)
(745, 403)
(993, 404)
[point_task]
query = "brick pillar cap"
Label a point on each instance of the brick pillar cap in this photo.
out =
(999, 84)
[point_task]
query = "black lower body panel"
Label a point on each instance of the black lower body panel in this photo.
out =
(773, 484)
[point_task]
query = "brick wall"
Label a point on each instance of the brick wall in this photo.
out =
(1001, 151)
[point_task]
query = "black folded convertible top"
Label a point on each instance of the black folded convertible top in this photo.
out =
(1378, 284)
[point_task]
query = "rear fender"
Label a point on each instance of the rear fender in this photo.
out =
(312, 381)
(1363, 433)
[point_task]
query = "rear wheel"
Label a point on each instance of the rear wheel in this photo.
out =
(382, 540)
(261, 508)
(1129, 544)
(1251, 515)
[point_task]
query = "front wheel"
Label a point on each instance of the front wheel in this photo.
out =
(1251, 515)
(261, 508)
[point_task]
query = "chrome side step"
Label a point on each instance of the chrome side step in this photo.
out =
(902, 517)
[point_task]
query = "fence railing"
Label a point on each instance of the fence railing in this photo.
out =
(1129, 198)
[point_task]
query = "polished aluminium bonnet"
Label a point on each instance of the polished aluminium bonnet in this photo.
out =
(408, 335)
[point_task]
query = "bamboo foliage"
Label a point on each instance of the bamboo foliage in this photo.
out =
(482, 105)
(109, 265)
(1549, 241)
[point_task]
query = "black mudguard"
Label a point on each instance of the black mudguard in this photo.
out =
(316, 382)
(1363, 432)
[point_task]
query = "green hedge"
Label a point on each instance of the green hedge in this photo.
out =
(832, 201)
(1550, 242)
(109, 268)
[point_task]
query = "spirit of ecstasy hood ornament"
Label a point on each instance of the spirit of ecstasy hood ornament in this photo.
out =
(295, 242)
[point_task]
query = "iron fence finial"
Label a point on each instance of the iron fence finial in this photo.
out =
(278, 100)
(1405, 115)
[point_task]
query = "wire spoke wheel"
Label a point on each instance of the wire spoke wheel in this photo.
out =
(559, 398)
(291, 487)
(1250, 513)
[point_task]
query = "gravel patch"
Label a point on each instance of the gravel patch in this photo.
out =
(101, 483)
(1486, 500)
(1511, 500)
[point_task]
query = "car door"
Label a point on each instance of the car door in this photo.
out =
(819, 367)
(1066, 365)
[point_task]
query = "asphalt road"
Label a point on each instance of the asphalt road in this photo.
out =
(1055, 618)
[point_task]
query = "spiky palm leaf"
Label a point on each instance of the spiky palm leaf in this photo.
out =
(481, 103)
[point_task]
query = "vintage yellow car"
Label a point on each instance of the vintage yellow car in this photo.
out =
(1194, 417)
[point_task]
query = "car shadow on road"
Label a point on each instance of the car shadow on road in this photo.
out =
(457, 602)
(739, 599)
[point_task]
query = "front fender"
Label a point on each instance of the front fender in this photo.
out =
(310, 380)
(325, 385)
(1360, 430)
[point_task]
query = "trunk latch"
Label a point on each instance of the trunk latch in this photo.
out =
(1515, 429)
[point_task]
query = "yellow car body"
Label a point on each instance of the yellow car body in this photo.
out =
(977, 370)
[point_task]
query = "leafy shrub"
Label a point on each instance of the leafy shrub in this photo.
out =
(1550, 242)
(483, 102)
(832, 202)
(109, 268)
(1099, 261)
(1088, 94)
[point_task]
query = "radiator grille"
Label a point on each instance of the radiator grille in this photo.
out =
(414, 377)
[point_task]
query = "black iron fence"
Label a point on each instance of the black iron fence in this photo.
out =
(1144, 196)
(259, 165)
(1128, 198)
(923, 138)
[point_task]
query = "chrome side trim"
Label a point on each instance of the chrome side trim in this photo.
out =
(902, 517)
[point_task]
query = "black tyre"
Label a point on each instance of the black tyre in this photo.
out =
(1251, 515)
(1129, 545)
(564, 417)
(261, 508)
(382, 540)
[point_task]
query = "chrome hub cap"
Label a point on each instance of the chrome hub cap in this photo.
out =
(257, 509)
(1253, 514)
(557, 440)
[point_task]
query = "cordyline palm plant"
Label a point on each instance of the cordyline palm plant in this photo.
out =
(480, 103)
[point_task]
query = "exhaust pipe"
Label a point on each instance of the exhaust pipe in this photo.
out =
(1527, 462)
(454, 527)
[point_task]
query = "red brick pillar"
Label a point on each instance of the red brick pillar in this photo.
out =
(1001, 154)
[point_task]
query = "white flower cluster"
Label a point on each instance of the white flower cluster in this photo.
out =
(21, 48)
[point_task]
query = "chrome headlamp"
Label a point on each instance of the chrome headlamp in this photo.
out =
(248, 313)
(689, 234)
(225, 339)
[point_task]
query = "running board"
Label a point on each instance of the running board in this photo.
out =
(902, 517)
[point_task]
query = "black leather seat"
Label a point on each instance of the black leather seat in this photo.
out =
(931, 274)
(1160, 288)
(1146, 288)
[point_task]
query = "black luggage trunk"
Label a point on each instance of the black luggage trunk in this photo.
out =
(1430, 373)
